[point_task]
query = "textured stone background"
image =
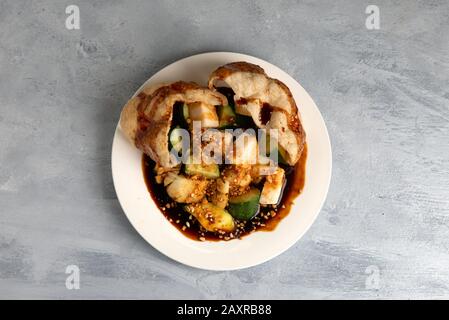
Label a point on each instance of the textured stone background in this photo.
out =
(383, 94)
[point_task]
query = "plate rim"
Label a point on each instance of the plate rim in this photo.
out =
(298, 236)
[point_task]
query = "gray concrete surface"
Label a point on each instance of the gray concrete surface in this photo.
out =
(383, 93)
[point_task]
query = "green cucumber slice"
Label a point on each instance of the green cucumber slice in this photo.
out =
(211, 217)
(185, 112)
(276, 148)
(179, 119)
(226, 116)
(245, 206)
(210, 171)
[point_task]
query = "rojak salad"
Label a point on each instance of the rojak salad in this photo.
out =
(221, 161)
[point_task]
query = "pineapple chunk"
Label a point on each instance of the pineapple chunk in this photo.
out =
(186, 190)
(206, 113)
(245, 149)
(211, 217)
(272, 187)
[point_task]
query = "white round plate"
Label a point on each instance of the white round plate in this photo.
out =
(255, 248)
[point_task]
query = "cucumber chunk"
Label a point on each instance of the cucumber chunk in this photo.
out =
(180, 110)
(245, 206)
(211, 217)
(282, 154)
(210, 171)
(226, 116)
(276, 148)
(185, 112)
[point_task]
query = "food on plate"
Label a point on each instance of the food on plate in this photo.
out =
(220, 161)
(146, 119)
(267, 101)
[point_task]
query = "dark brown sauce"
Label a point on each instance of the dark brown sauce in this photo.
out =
(241, 101)
(265, 113)
(264, 221)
